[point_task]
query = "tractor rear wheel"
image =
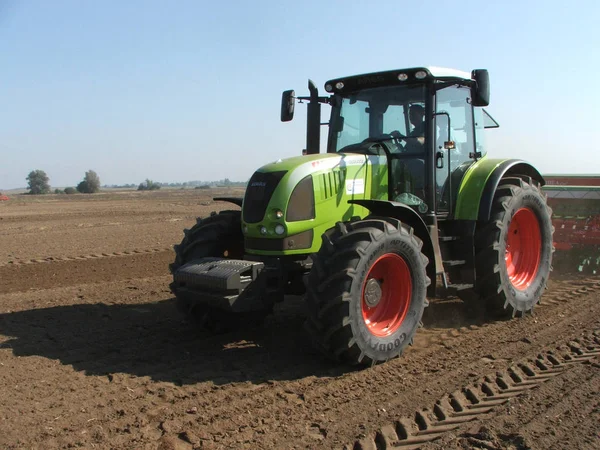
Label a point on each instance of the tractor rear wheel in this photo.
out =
(514, 249)
(366, 291)
(219, 235)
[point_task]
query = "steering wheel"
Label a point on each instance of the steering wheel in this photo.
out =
(380, 141)
(395, 136)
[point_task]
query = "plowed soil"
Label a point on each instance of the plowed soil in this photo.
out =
(93, 353)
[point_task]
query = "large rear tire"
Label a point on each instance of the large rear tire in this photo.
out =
(514, 249)
(219, 235)
(366, 291)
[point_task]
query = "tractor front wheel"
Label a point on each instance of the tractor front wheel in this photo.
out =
(366, 291)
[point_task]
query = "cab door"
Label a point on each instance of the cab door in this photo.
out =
(454, 116)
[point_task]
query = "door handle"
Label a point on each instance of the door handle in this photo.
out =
(439, 160)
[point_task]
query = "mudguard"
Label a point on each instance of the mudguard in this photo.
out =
(235, 200)
(478, 186)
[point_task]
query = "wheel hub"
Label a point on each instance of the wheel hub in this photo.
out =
(523, 248)
(372, 293)
(386, 294)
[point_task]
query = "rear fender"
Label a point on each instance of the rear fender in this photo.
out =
(511, 167)
(478, 186)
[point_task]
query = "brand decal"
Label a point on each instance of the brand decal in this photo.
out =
(370, 79)
(356, 186)
(353, 161)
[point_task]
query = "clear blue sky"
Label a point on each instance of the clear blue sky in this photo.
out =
(189, 90)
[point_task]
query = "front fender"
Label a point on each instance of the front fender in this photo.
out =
(235, 200)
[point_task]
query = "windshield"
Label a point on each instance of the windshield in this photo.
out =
(384, 112)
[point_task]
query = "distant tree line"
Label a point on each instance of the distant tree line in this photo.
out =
(148, 185)
(186, 184)
(38, 183)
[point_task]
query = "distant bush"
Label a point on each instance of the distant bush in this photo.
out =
(206, 186)
(70, 190)
(38, 182)
(148, 185)
(58, 191)
(90, 183)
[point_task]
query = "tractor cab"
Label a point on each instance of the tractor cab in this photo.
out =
(427, 122)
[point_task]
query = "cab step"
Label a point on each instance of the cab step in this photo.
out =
(449, 238)
(460, 287)
(455, 262)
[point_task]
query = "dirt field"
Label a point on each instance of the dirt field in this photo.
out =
(93, 353)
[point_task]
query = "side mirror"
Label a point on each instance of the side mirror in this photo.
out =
(480, 92)
(287, 105)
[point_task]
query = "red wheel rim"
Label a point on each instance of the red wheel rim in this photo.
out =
(386, 294)
(523, 248)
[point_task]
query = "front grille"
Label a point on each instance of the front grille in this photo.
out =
(258, 194)
(298, 241)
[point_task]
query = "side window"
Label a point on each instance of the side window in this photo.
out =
(356, 123)
(480, 131)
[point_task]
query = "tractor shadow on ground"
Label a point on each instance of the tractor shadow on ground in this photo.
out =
(153, 340)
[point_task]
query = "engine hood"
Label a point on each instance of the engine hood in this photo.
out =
(302, 166)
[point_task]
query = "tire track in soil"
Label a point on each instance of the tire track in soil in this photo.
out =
(267, 372)
(82, 269)
(50, 259)
(563, 413)
(481, 397)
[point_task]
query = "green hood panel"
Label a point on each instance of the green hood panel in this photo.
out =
(337, 178)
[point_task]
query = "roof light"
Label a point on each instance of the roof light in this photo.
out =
(278, 213)
(420, 74)
(328, 87)
(339, 85)
(402, 77)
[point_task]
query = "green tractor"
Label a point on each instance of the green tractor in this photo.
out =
(404, 205)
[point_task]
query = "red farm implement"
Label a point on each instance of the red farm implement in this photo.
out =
(3, 197)
(575, 201)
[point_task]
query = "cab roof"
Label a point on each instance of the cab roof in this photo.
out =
(395, 77)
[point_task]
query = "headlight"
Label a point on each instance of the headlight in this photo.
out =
(302, 201)
(279, 229)
(263, 230)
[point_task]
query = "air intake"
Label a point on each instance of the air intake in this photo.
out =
(258, 194)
